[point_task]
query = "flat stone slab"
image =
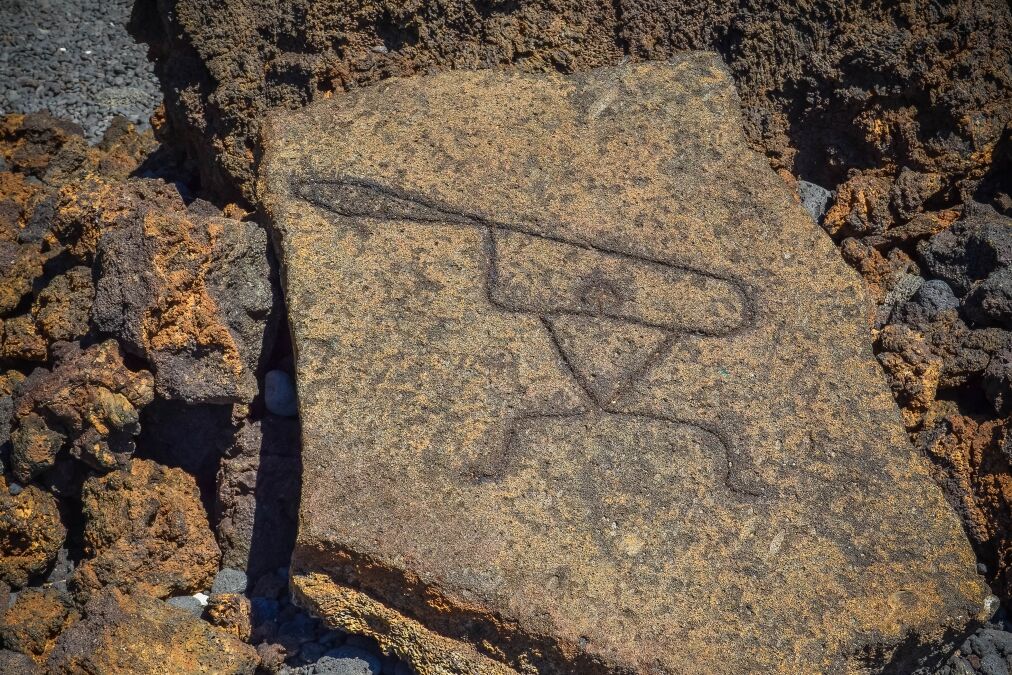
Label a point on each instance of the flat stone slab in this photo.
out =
(584, 389)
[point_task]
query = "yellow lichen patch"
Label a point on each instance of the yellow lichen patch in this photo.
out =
(428, 653)
(183, 315)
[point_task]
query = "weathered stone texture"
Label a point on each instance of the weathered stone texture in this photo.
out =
(146, 530)
(32, 625)
(140, 635)
(88, 406)
(186, 288)
(257, 496)
(583, 389)
(31, 534)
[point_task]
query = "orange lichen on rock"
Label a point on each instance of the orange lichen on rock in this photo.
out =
(912, 370)
(89, 404)
(974, 456)
(32, 624)
(861, 207)
(125, 634)
(31, 534)
(184, 315)
(146, 530)
(231, 613)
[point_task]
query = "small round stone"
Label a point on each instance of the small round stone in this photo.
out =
(187, 603)
(229, 580)
(279, 394)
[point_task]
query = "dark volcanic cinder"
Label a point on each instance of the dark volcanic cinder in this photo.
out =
(582, 389)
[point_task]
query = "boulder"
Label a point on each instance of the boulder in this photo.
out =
(140, 635)
(584, 389)
(146, 531)
(31, 533)
(187, 289)
(88, 405)
(36, 619)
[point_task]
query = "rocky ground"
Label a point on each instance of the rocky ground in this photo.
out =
(74, 60)
(146, 435)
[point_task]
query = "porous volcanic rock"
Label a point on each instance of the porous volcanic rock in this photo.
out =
(140, 635)
(257, 497)
(584, 389)
(31, 534)
(32, 624)
(88, 405)
(827, 87)
(186, 288)
(146, 530)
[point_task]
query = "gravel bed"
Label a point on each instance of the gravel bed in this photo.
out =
(74, 59)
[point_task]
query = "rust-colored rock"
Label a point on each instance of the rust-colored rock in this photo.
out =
(33, 623)
(31, 534)
(975, 457)
(912, 370)
(231, 613)
(55, 150)
(583, 389)
(88, 405)
(146, 530)
(140, 635)
(828, 87)
(189, 290)
(62, 308)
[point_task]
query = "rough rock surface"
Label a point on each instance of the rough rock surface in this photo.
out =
(31, 534)
(582, 387)
(140, 635)
(146, 530)
(258, 496)
(87, 406)
(33, 623)
(186, 288)
(827, 86)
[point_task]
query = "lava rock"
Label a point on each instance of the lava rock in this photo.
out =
(33, 623)
(997, 381)
(231, 613)
(137, 633)
(970, 250)
(89, 404)
(17, 663)
(187, 603)
(257, 506)
(815, 199)
(193, 438)
(229, 580)
(31, 534)
(935, 296)
(222, 83)
(146, 530)
(990, 302)
(348, 661)
(210, 282)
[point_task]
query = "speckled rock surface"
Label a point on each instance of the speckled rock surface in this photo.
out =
(138, 634)
(31, 534)
(146, 530)
(582, 388)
